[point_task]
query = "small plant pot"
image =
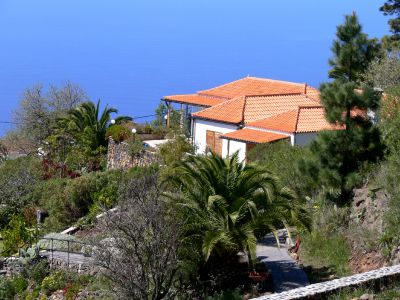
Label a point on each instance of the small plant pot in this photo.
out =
(259, 276)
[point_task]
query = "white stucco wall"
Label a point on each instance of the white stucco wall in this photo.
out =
(200, 129)
(233, 147)
(302, 139)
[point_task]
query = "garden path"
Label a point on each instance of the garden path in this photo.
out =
(286, 274)
(72, 258)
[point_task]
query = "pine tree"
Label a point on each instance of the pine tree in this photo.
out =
(352, 51)
(340, 154)
(392, 8)
(392, 42)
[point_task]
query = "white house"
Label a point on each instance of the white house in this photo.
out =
(240, 114)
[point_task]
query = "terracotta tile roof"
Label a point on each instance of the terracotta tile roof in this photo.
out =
(283, 122)
(195, 99)
(303, 119)
(261, 107)
(255, 86)
(253, 136)
(245, 87)
(229, 111)
(313, 94)
(253, 108)
(312, 119)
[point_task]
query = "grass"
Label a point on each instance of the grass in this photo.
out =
(390, 292)
(324, 255)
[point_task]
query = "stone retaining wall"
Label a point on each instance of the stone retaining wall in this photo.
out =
(320, 290)
(118, 157)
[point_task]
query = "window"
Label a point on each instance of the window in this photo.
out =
(213, 142)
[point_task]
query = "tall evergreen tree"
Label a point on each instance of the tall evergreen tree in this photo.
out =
(339, 154)
(392, 8)
(392, 42)
(352, 51)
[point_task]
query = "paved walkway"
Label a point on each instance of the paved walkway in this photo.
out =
(286, 274)
(73, 258)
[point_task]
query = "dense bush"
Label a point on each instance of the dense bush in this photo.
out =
(11, 287)
(67, 200)
(17, 181)
(118, 133)
(282, 159)
(174, 150)
(16, 236)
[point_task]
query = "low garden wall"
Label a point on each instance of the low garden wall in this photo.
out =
(320, 290)
(118, 157)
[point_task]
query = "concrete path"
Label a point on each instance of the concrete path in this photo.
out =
(74, 258)
(286, 274)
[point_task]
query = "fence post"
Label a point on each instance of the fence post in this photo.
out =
(51, 252)
(68, 252)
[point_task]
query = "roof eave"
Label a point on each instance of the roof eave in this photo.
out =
(215, 120)
(183, 102)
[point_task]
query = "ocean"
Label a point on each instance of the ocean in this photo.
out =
(131, 53)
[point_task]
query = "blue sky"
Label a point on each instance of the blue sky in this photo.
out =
(131, 53)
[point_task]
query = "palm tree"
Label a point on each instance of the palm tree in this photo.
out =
(90, 125)
(228, 204)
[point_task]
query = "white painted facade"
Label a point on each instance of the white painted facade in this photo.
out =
(200, 128)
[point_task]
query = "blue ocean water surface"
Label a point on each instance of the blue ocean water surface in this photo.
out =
(130, 53)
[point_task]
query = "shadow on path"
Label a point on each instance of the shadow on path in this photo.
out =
(286, 274)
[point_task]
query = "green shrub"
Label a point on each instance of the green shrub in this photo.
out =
(54, 282)
(67, 200)
(16, 236)
(227, 295)
(326, 245)
(283, 159)
(18, 179)
(37, 271)
(174, 150)
(11, 287)
(135, 147)
(118, 133)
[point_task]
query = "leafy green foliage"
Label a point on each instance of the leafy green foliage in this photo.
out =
(67, 200)
(88, 125)
(118, 133)
(54, 282)
(282, 159)
(175, 150)
(17, 180)
(136, 147)
(384, 73)
(11, 287)
(352, 51)
(36, 270)
(3, 152)
(326, 245)
(15, 236)
(392, 7)
(161, 112)
(339, 155)
(228, 204)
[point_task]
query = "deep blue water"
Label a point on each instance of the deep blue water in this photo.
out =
(131, 53)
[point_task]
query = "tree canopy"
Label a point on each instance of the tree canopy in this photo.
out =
(352, 51)
(347, 102)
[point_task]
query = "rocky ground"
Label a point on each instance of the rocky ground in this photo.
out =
(365, 229)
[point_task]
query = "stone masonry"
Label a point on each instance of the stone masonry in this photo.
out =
(320, 290)
(118, 157)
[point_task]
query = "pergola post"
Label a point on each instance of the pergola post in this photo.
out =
(181, 121)
(168, 113)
